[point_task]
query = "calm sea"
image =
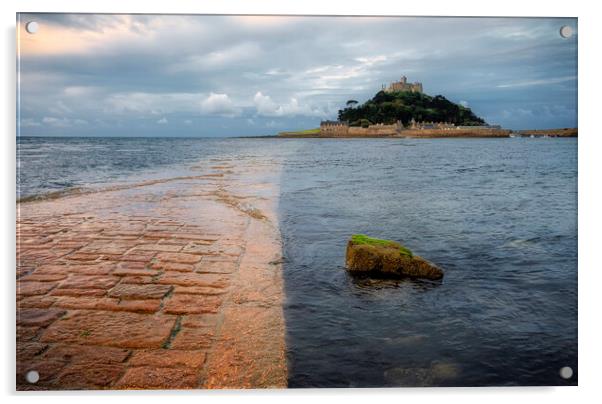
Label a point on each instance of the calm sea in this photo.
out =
(498, 215)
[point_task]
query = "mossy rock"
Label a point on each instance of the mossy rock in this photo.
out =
(359, 239)
(373, 256)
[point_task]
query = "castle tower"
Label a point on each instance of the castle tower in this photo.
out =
(403, 85)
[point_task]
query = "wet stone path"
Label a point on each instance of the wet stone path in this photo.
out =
(171, 284)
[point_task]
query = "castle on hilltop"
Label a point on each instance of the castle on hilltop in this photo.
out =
(403, 85)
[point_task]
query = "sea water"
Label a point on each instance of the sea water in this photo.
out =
(499, 216)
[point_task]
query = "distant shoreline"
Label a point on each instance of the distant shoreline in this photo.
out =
(439, 133)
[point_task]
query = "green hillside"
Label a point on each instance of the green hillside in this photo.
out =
(389, 107)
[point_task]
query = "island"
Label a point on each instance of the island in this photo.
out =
(402, 109)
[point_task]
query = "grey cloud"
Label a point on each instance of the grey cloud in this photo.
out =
(170, 66)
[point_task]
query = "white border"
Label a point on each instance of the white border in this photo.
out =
(590, 201)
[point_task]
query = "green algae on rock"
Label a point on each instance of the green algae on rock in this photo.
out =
(363, 239)
(368, 255)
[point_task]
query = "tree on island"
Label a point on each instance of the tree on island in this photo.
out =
(389, 107)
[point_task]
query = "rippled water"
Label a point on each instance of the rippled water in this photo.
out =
(55, 164)
(498, 215)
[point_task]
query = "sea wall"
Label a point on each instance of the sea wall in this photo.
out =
(430, 133)
(344, 131)
(563, 132)
(373, 130)
(357, 131)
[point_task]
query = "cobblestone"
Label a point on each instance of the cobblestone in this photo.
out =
(147, 288)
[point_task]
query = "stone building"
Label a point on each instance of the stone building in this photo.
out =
(342, 129)
(403, 85)
(430, 125)
(334, 128)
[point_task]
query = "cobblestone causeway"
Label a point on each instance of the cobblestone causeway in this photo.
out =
(170, 284)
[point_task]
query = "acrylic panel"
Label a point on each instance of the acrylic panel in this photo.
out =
(223, 201)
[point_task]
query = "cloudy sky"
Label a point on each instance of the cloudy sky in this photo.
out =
(152, 75)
